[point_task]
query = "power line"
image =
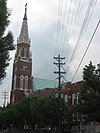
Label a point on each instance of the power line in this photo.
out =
(58, 24)
(82, 31)
(62, 23)
(76, 20)
(46, 65)
(86, 50)
(67, 25)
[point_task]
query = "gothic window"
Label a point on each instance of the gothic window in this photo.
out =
(17, 51)
(25, 52)
(22, 52)
(15, 82)
(21, 82)
(73, 99)
(61, 95)
(26, 82)
(77, 98)
(66, 99)
(20, 49)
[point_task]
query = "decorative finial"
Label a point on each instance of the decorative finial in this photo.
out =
(25, 16)
(26, 6)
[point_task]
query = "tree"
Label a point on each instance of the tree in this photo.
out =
(6, 41)
(43, 111)
(90, 92)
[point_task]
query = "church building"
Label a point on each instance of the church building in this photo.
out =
(22, 65)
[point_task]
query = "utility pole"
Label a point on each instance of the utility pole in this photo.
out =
(59, 72)
(5, 97)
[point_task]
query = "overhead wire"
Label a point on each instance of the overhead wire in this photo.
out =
(86, 50)
(64, 36)
(47, 76)
(58, 25)
(43, 67)
(76, 20)
(67, 25)
(84, 26)
(45, 72)
(82, 31)
(57, 30)
(62, 22)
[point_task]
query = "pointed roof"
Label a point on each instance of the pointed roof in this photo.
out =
(25, 15)
(24, 37)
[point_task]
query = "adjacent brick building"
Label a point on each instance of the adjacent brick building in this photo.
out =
(69, 92)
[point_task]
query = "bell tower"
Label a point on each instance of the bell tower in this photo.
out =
(22, 65)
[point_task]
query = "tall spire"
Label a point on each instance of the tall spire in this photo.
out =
(24, 37)
(25, 15)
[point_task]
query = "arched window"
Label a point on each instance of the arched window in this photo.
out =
(21, 82)
(26, 82)
(25, 50)
(22, 52)
(73, 98)
(20, 49)
(66, 98)
(15, 82)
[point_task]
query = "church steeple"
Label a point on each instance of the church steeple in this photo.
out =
(24, 37)
(22, 66)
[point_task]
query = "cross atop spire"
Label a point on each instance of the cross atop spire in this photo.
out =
(25, 15)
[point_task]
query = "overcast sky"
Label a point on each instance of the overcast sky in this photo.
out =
(48, 28)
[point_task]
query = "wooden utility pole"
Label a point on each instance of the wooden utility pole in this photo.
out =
(59, 72)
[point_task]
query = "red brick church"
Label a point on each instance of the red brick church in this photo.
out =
(22, 65)
(22, 82)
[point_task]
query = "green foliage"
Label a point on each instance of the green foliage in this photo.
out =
(90, 93)
(34, 110)
(91, 77)
(6, 41)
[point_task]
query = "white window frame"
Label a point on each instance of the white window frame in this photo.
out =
(21, 82)
(66, 98)
(26, 82)
(73, 98)
(77, 98)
